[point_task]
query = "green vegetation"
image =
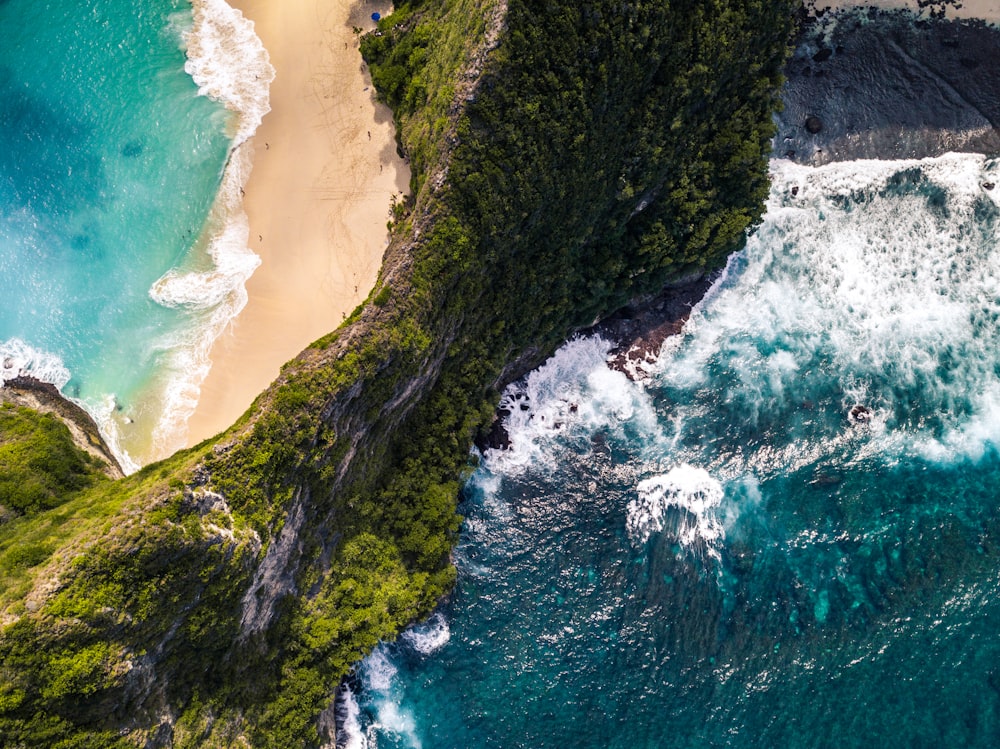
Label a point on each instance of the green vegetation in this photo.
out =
(597, 151)
(416, 53)
(40, 467)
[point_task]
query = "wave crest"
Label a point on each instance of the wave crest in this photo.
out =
(688, 489)
(228, 61)
(17, 358)
(428, 637)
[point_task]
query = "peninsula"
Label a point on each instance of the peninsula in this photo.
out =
(567, 159)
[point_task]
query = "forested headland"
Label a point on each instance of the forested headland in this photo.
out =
(568, 158)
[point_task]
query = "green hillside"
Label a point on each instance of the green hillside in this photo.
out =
(568, 157)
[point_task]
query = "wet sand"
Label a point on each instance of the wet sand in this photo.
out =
(324, 172)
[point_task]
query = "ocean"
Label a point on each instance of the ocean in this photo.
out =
(788, 535)
(123, 247)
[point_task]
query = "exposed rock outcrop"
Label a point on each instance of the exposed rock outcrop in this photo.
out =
(872, 84)
(44, 397)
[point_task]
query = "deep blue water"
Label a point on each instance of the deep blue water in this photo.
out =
(732, 553)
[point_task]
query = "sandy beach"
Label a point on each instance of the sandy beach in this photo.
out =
(987, 10)
(324, 172)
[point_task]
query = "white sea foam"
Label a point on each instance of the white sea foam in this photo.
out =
(350, 735)
(428, 637)
(18, 358)
(882, 276)
(103, 411)
(212, 298)
(378, 674)
(399, 721)
(575, 388)
(687, 488)
(229, 63)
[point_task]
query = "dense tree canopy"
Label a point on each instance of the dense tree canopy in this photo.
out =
(568, 157)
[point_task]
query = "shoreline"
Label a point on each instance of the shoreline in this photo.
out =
(638, 331)
(324, 171)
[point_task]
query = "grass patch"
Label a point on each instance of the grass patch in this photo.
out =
(40, 466)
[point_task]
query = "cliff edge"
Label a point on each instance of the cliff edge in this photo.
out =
(44, 398)
(567, 157)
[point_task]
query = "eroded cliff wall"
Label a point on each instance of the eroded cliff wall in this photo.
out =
(568, 157)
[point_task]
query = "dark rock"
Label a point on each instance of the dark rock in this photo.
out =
(821, 478)
(911, 87)
(640, 329)
(497, 438)
(989, 185)
(824, 54)
(814, 124)
(27, 382)
(861, 414)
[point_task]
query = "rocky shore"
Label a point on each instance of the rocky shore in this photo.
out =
(43, 397)
(866, 83)
(862, 83)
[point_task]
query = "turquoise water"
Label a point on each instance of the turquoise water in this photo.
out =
(732, 553)
(110, 163)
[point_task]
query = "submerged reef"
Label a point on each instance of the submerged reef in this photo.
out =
(568, 158)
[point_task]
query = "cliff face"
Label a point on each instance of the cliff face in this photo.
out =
(41, 397)
(568, 157)
(867, 84)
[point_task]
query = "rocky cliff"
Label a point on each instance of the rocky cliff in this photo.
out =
(568, 157)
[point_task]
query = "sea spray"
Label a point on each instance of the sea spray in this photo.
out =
(826, 428)
(379, 678)
(228, 61)
(868, 282)
(350, 735)
(17, 358)
(691, 491)
(573, 388)
(428, 637)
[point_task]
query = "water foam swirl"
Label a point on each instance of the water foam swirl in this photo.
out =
(17, 359)
(686, 488)
(230, 65)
